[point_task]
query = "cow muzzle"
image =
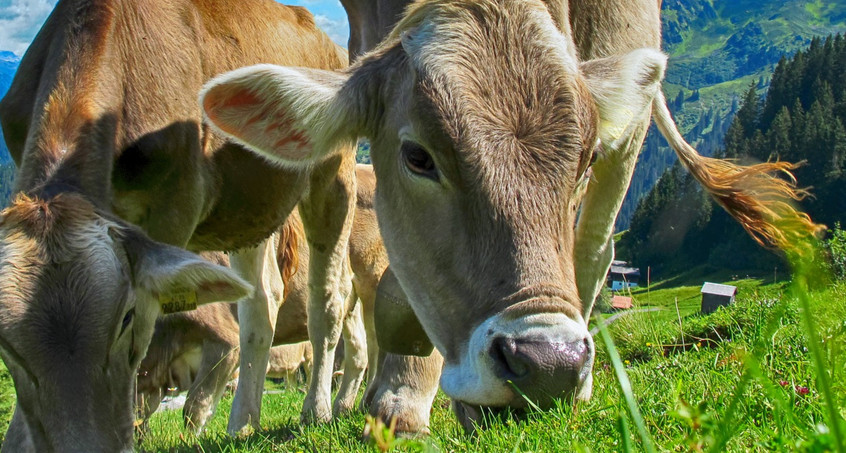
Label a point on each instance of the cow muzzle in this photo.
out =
(517, 362)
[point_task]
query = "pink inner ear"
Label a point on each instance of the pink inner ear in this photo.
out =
(292, 140)
(241, 113)
(220, 99)
(241, 99)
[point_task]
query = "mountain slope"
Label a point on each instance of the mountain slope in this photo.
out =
(716, 41)
(717, 50)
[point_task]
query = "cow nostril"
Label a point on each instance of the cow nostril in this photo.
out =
(511, 363)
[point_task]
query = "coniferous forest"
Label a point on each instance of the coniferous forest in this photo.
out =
(800, 119)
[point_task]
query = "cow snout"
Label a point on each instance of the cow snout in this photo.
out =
(512, 360)
(540, 369)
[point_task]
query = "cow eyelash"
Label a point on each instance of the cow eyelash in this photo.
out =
(418, 160)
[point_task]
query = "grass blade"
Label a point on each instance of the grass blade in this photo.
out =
(800, 291)
(625, 387)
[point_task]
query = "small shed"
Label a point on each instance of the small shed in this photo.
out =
(715, 295)
(621, 303)
(621, 276)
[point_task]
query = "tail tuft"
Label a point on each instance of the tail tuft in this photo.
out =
(760, 197)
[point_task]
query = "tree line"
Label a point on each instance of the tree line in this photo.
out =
(800, 119)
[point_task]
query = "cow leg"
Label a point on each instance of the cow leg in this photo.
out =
(145, 405)
(257, 317)
(18, 439)
(374, 357)
(218, 363)
(594, 248)
(355, 359)
(308, 364)
(405, 389)
(291, 380)
(327, 213)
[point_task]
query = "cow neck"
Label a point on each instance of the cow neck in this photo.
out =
(71, 142)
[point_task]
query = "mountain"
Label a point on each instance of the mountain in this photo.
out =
(717, 50)
(8, 65)
(801, 117)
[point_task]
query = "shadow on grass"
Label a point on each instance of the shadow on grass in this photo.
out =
(289, 436)
(699, 274)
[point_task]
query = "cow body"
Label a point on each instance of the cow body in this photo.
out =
(197, 351)
(116, 175)
(484, 118)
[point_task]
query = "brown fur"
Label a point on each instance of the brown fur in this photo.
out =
(103, 114)
(754, 195)
(213, 329)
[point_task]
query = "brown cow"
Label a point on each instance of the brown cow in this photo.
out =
(197, 350)
(599, 29)
(114, 164)
(484, 117)
(286, 360)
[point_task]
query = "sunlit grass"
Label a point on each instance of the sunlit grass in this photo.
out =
(741, 379)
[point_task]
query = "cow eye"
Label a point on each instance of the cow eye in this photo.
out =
(418, 160)
(127, 319)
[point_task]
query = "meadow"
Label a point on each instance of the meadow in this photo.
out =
(741, 379)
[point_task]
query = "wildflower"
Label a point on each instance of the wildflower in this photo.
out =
(699, 344)
(783, 383)
(802, 390)
(626, 362)
(648, 344)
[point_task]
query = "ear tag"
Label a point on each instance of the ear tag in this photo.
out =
(178, 300)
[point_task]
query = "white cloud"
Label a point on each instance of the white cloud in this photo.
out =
(20, 20)
(337, 29)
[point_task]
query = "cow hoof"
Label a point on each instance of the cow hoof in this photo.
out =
(367, 436)
(240, 433)
(313, 415)
(243, 429)
(195, 419)
(410, 420)
(344, 408)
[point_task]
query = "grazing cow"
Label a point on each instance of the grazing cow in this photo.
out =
(285, 362)
(197, 350)
(116, 175)
(484, 117)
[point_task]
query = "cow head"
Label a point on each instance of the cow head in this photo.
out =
(79, 296)
(482, 126)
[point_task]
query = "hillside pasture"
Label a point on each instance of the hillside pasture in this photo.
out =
(740, 379)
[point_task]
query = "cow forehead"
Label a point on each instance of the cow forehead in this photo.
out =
(61, 229)
(505, 84)
(439, 31)
(58, 273)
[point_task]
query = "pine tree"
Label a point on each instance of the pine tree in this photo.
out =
(802, 118)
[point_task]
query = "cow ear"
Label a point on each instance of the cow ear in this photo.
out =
(623, 88)
(291, 116)
(178, 279)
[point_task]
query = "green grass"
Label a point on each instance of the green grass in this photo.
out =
(740, 379)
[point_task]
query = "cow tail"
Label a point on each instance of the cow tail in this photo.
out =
(287, 253)
(755, 195)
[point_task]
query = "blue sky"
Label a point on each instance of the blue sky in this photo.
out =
(21, 19)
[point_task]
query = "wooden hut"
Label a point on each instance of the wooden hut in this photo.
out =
(715, 295)
(621, 276)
